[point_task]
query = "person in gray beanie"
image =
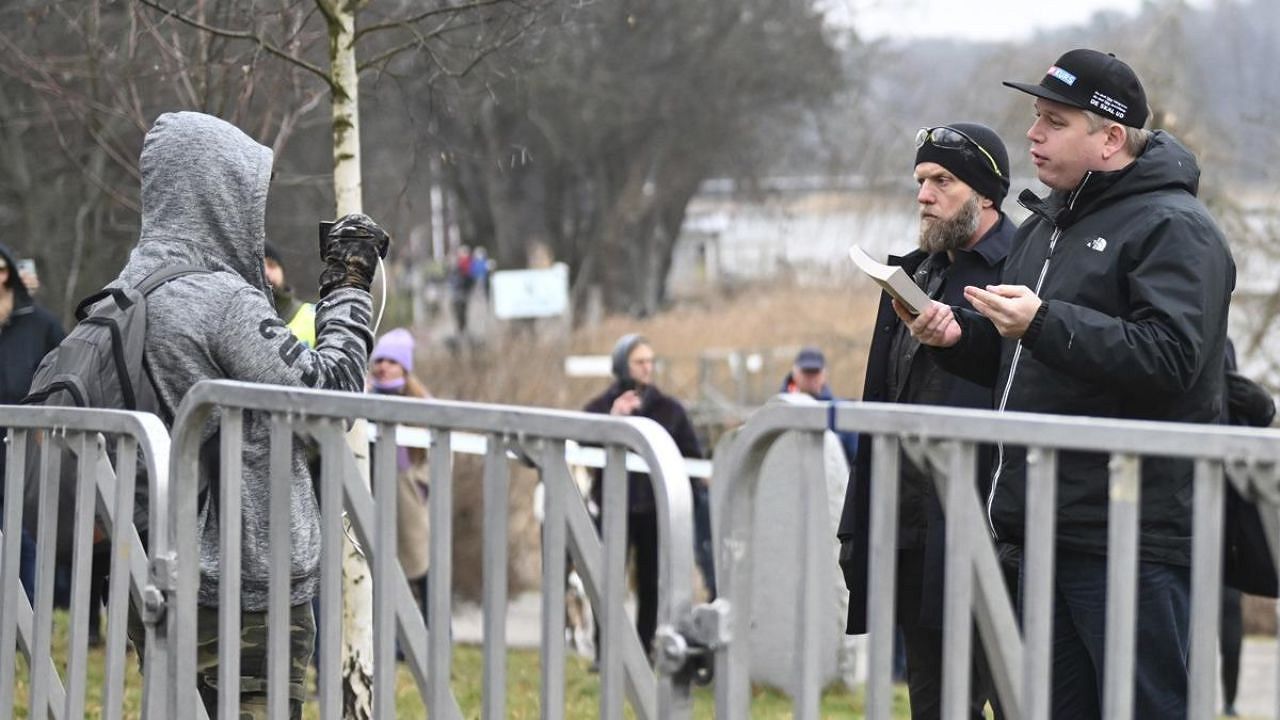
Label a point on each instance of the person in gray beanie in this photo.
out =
(962, 170)
(634, 393)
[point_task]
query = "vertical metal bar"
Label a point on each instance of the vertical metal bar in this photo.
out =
(329, 629)
(815, 549)
(385, 562)
(169, 685)
(81, 562)
(613, 620)
(10, 548)
(882, 575)
(440, 586)
(496, 511)
(1206, 587)
(1037, 583)
(734, 526)
(229, 549)
(1122, 584)
(46, 546)
(118, 590)
(957, 618)
(278, 590)
(553, 569)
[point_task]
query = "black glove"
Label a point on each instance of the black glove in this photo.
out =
(1248, 403)
(355, 243)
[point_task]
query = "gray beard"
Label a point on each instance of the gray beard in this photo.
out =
(952, 233)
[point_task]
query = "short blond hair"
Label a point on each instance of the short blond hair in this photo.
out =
(1135, 139)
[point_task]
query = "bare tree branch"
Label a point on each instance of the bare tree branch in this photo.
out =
(426, 15)
(243, 35)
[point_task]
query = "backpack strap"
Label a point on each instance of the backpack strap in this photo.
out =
(164, 274)
(157, 278)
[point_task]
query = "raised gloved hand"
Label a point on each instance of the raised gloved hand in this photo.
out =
(1248, 403)
(355, 242)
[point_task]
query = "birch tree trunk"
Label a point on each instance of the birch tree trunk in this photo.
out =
(357, 583)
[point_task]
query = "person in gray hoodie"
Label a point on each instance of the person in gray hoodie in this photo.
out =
(204, 192)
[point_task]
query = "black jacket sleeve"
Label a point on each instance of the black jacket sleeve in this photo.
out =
(1174, 290)
(976, 357)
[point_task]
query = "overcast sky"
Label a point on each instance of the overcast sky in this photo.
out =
(970, 19)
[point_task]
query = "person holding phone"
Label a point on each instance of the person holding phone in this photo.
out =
(27, 333)
(634, 393)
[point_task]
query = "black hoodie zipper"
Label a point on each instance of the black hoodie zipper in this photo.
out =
(1017, 351)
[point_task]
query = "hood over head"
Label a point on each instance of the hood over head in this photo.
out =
(21, 296)
(204, 199)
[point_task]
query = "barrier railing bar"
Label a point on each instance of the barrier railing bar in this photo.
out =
(10, 548)
(1206, 593)
(1122, 582)
(496, 509)
(881, 574)
(813, 551)
(280, 510)
(385, 565)
(613, 620)
(440, 590)
(957, 622)
(47, 537)
(557, 483)
(122, 549)
(329, 624)
(87, 448)
(1037, 581)
(230, 543)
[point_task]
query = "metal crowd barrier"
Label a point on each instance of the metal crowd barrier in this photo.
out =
(684, 633)
(104, 498)
(1021, 658)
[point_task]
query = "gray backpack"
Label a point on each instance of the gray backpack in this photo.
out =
(100, 364)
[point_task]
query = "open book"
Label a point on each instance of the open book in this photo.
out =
(894, 280)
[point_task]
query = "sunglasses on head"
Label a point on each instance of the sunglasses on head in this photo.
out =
(951, 139)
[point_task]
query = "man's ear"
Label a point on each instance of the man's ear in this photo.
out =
(1115, 141)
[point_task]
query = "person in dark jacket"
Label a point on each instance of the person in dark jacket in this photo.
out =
(633, 393)
(27, 333)
(962, 170)
(1113, 303)
(809, 375)
(1247, 404)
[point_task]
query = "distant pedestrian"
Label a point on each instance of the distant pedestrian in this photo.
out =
(27, 333)
(391, 373)
(633, 393)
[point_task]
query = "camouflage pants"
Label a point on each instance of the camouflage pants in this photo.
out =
(253, 659)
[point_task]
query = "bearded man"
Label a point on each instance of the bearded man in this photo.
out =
(962, 170)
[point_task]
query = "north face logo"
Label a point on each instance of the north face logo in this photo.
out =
(1098, 243)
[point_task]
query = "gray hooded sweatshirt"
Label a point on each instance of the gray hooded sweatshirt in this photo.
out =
(204, 194)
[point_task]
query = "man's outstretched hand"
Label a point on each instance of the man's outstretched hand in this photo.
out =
(935, 325)
(1009, 307)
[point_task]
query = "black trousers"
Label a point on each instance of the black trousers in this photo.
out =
(1230, 639)
(924, 675)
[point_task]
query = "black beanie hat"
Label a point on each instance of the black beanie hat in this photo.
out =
(271, 253)
(970, 164)
(622, 352)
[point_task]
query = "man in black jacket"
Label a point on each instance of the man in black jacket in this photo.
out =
(1113, 303)
(633, 393)
(27, 333)
(962, 170)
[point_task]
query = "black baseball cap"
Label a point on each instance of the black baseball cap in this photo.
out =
(1095, 81)
(810, 359)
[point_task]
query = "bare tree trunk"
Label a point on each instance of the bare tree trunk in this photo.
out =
(357, 590)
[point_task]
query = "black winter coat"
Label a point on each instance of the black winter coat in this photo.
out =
(919, 593)
(25, 338)
(1136, 279)
(667, 412)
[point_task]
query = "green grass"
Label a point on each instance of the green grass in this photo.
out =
(523, 686)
